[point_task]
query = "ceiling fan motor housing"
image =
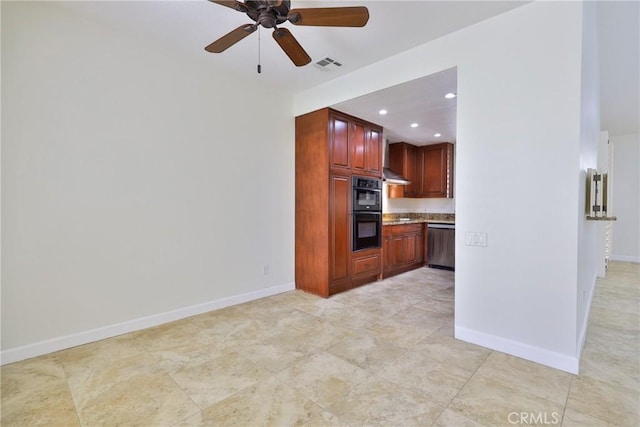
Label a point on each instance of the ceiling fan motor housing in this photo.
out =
(268, 13)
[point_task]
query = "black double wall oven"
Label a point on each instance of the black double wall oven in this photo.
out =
(367, 212)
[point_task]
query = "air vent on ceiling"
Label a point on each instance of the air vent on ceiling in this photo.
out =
(328, 64)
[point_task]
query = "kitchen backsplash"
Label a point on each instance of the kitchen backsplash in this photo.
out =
(417, 205)
(419, 215)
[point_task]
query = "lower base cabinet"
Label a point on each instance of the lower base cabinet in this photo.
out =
(364, 267)
(403, 248)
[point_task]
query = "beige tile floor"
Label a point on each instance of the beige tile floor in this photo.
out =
(380, 355)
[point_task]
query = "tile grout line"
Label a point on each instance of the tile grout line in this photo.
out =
(566, 402)
(463, 386)
(66, 380)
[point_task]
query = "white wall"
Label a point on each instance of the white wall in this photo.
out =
(517, 171)
(134, 189)
(590, 245)
(626, 197)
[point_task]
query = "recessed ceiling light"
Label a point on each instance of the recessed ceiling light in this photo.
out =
(382, 112)
(450, 95)
(414, 125)
(437, 135)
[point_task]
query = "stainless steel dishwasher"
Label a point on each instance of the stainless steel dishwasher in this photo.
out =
(441, 245)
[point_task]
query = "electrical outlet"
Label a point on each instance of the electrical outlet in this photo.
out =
(266, 269)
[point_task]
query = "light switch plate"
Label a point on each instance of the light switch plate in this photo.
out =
(475, 238)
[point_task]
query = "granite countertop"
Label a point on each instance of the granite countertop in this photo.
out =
(417, 218)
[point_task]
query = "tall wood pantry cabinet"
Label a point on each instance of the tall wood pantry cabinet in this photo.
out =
(331, 147)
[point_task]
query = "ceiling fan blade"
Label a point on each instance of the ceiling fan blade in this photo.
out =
(233, 4)
(356, 16)
(291, 47)
(231, 38)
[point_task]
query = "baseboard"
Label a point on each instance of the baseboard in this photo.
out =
(525, 351)
(625, 258)
(92, 335)
(585, 321)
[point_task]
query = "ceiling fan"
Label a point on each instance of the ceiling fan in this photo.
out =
(271, 13)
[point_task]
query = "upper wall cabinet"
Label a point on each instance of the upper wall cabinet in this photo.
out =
(402, 160)
(355, 145)
(339, 153)
(429, 168)
(367, 150)
(435, 167)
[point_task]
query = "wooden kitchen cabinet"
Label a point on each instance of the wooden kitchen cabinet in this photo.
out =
(355, 145)
(374, 152)
(367, 150)
(330, 148)
(365, 265)
(339, 228)
(428, 167)
(402, 160)
(435, 166)
(339, 150)
(403, 248)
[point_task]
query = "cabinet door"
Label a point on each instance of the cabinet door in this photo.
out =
(411, 249)
(339, 227)
(358, 141)
(339, 155)
(418, 246)
(402, 160)
(403, 248)
(366, 144)
(435, 170)
(410, 154)
(366, 265)
(398, 251)
(373, 153)
(387, 255)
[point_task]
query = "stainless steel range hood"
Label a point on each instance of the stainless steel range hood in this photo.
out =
(390, 177)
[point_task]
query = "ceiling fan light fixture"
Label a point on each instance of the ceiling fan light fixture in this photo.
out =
(267, 19)
(272, 13)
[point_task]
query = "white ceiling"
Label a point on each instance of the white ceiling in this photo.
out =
(185, 27)
(420, 101)
(619, 54)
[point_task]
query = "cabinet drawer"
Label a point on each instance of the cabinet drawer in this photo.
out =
(393, 230)
(368, 264)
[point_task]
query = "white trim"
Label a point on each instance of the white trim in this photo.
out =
(535, 354)
(79, 338)
(626, 258)
(585, 321)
